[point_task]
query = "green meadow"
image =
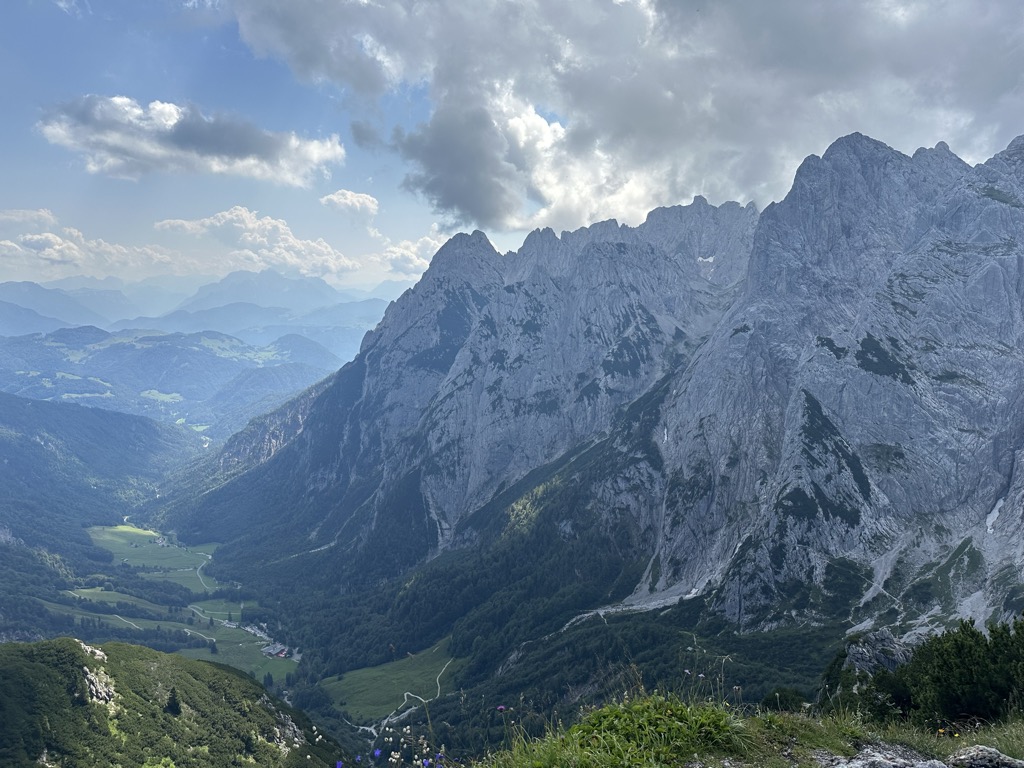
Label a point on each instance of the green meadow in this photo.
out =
(138, 547)
(375, 692)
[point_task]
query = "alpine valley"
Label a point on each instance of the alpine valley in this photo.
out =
(745, 432)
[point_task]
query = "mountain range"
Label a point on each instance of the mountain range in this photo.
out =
(809, 414)
(256, 307)
(207, 380)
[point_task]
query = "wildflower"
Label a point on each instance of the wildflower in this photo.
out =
(700, 676)
(501, 707)
(686, 671)
(376, 752)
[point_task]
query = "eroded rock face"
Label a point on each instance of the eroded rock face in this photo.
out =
(877, 650)
(811, 412)
(99, 683)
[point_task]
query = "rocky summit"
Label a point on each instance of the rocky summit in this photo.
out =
(811, 411)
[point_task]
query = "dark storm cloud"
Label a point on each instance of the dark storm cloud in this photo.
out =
(462, 168)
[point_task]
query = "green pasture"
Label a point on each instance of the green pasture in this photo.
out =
(188, 578)
(375, 692)
(99, 595)
(235, 646)
(137, 546)
(219, 609)
(245, 656)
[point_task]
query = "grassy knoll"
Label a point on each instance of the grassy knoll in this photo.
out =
(375, 692)
(654, 730)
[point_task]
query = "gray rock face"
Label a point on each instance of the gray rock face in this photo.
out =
(816, 411)
(983, 757)
(879, 756)
(876, 650)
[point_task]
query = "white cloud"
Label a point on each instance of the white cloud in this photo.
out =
(71, 7)
(52, 252)
(256, 243)
(120, 137)
(351, 202)
(17, 219)
(553, 112)
(408, 258)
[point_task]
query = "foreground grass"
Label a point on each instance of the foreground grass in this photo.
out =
(655, 730)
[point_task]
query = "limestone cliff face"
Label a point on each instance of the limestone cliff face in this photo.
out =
(852, 426)
(815, 410)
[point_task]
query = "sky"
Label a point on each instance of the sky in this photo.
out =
(348, 139)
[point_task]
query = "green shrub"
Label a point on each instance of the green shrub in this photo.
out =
(962, 674)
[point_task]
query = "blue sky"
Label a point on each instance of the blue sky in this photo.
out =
(349, 138)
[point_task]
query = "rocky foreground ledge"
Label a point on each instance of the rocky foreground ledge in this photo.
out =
(890, 756)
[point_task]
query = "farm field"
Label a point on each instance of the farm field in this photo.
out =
(139, 547)
(375, 692)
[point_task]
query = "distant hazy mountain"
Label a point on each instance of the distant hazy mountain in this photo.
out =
(185, 378)
(150, 296)
(51, 302)
(111, 304)
(267, 289)
(339, 327)
(229, 319)
(16, 320)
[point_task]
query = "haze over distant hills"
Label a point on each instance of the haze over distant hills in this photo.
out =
(227, 350)
(207, 380)
(257, 307)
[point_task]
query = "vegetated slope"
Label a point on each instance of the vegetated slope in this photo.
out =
(811, 415)
(64, 703)
(206, 379)
(64, 467)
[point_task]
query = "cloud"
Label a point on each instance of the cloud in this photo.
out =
(71, 7)
(351, 202)
(256, 242)
(553, 113)
(33, 246)
(17, 219)
(119, 137)
(408, 258)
